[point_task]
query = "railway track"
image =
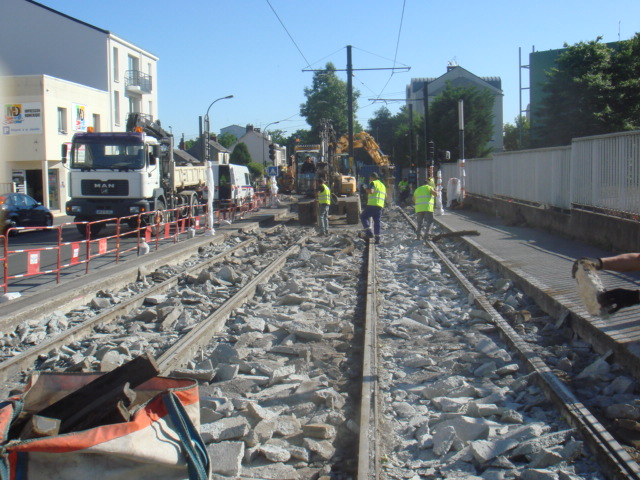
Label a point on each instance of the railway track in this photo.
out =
(349, 360)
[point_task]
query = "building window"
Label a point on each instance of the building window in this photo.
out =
(116, 107)
(150, 111)
(116, 70)
(134, 105)
(96, 122)
(62, 120)
(134, 63)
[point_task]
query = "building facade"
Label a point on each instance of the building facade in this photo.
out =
(258, 145)
(92, 78)
(459, 77)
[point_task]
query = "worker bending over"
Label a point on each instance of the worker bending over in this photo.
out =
(424, 200)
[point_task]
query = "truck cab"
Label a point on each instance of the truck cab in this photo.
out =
(113, 175)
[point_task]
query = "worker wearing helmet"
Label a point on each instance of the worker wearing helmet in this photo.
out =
(424, 199)
(377, 193)
(324, 202)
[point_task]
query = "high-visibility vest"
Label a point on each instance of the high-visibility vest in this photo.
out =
(376, 199)
(403, 185)
(325, 195)
(425, 202)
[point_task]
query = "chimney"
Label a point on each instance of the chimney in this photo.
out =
(249, 128)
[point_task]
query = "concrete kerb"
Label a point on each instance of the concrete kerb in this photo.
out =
(557, 306)
(84, 288)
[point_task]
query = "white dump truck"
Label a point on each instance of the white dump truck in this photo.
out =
(120, 174)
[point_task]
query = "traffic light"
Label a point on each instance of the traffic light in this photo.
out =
(272, 152)
(431, 150)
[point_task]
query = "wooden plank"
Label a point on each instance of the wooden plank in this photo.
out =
(460, 233)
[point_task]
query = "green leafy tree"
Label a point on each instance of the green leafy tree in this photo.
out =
(593, 89)
(240, 155)
(578, 95)
(256, 170)
(227, 139)
(625, 77)
(278, 136)
(381, 126)
(513, 140)
(327, 99)
(478, 121)
(408, 144)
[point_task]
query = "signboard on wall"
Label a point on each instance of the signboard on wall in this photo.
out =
(22, 118)
(79, 117)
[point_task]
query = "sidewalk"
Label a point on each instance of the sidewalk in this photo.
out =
(540, 263)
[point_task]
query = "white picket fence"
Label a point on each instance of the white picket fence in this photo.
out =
(600, 173)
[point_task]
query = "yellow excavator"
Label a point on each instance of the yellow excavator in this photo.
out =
(366, 142)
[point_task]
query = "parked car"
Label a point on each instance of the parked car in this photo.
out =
(20, 210)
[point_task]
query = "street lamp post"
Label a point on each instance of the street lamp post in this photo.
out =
(210, 182)
(206, 127)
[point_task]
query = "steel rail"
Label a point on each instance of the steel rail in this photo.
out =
(185, 349)
(26, 359)
(368, 448)
(612, 456)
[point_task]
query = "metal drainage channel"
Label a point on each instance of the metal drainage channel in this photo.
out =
(611, 455)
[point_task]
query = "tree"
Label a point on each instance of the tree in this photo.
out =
(277, 136)
(227, 139)
(512, 137)
(578, 95)
(381, 126)
(327, 99)
(255, 169)
(625, 77)
(478, 121)
(240, 155)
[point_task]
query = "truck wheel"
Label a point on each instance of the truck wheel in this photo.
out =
(94, 228)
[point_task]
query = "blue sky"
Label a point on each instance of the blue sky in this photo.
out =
(257, 50)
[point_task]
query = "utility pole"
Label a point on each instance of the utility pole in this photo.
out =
(350, 71)
(427, 133)
(411, 162)
(350, 107)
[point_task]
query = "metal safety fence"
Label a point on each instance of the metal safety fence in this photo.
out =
(133, 235)
(600, 173)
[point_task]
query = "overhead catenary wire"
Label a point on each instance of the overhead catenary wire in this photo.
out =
(285, 29)
(395, 58)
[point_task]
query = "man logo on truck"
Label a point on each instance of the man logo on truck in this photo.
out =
(104, 187)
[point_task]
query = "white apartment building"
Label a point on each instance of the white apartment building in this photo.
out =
(60, 75)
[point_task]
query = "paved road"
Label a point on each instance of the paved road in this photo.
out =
(39, 241)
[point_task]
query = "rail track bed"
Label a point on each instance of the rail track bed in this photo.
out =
(326, 357)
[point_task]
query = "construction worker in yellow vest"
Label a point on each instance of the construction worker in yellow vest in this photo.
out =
(424, 199)
(403, 188)
(377, 193)
(324, 202)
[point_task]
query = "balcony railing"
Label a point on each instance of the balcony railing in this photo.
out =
(135, 80)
